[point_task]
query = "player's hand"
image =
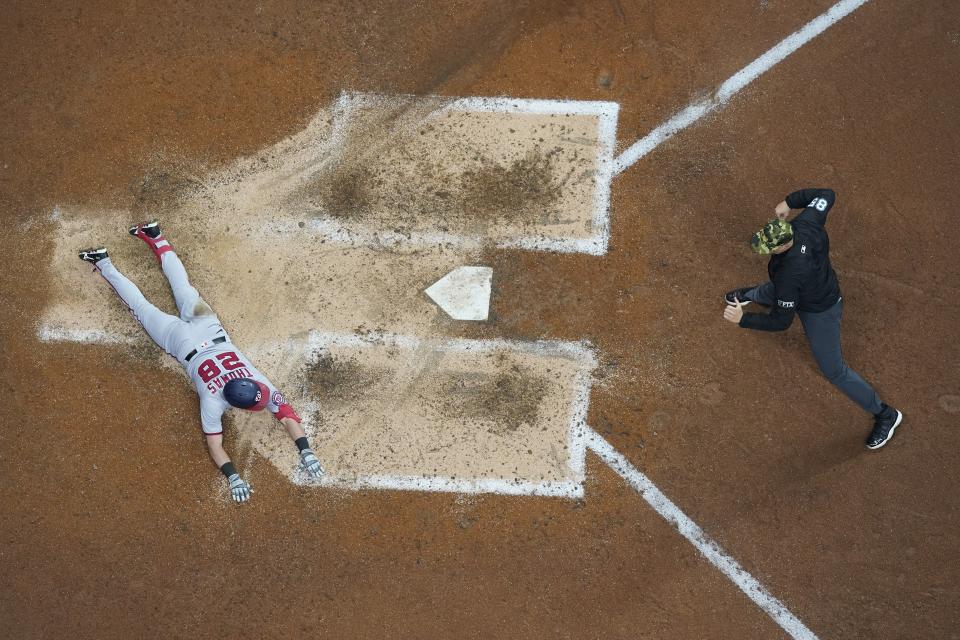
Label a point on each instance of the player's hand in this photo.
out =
(733, 312)
(239, 488)
(782, 210)
(310, 463)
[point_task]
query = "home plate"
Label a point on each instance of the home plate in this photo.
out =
(464, 293)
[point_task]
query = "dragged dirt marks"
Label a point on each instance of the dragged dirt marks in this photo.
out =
(504, 399)
(510, 398)
(487, 169)
(163, 188)
(455, 415)
(522, 192)
(338, 379)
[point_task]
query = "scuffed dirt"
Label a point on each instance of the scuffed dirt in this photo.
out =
(348, 195)
(510, 398)
(338, 380)
(162, 189)
(524, 189)
(521, 192)
(425, 165)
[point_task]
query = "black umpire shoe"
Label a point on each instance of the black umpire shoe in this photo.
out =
(731, 297)
(93, 256)
(886, 423)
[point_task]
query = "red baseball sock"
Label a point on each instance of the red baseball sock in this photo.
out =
(158, 245)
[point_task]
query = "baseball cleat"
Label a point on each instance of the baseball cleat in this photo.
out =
(150, 233)
(149, 229)
(93, 256)
(886, 423)
(731, 297)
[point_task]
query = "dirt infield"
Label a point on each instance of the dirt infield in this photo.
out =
(115, 524)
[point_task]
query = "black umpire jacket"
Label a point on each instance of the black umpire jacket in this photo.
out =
(802, 276)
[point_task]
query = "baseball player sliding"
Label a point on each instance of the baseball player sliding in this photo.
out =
(223, 376)
(802, 282)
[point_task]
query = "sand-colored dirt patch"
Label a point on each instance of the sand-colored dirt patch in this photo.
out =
(337, 231)
(482, 169)
(264, 284)
(387, 410)
(381, 410)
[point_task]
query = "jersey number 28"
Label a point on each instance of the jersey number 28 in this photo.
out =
(209, 370)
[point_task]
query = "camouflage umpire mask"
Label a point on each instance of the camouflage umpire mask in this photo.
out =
(775, 233)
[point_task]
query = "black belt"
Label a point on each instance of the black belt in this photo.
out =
(214, 341)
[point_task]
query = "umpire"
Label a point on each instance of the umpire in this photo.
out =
(803, 283)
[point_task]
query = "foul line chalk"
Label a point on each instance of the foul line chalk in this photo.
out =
(734, 84)
(689, 530)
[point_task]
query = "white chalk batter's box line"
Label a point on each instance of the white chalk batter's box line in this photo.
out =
(578, 352)
(596, 244)
(47, 333)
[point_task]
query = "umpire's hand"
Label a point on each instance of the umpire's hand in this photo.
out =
(782, 210)
(733, 312)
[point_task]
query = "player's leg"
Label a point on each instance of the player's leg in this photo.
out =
(160, 326)
(189, 303)
(823, 334)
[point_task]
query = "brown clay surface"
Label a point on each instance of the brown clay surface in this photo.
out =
(114, 521)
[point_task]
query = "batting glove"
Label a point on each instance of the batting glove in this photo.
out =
(239, 488)
(310, 463)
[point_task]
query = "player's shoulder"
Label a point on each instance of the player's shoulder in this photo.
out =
(213, 405)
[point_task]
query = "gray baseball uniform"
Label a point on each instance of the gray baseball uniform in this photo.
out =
(196, 339)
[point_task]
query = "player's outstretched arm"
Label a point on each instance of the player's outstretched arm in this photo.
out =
(308, 459)
(239, 489)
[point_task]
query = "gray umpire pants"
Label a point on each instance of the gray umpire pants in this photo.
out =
(823, 334)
